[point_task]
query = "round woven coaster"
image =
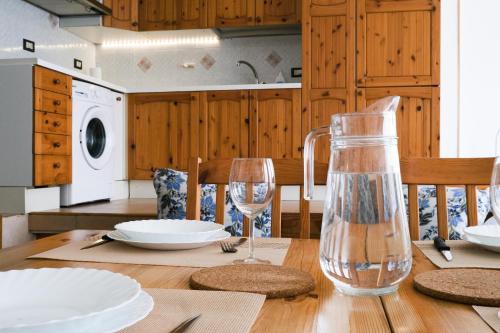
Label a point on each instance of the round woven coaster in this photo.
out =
(272, 281)
(462, 285)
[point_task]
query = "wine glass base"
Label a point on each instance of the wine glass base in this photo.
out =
(251, 261)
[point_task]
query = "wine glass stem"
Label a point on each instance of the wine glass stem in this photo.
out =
(251, 221)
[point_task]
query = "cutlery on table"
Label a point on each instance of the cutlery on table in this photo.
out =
(103, 240)
(228, 247)
(185, 324)
(440, 245)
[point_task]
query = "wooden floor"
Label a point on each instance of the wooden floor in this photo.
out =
(104, 215)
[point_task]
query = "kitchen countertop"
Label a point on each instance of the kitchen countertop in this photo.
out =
(87, 78)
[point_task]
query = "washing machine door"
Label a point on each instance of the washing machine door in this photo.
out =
(96, 137)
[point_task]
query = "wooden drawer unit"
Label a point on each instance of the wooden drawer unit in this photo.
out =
(51, 80)
(52, 123)
(52, 170)
(49, 101)
(52, 144)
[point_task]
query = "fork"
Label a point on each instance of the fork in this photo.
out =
(228, 247)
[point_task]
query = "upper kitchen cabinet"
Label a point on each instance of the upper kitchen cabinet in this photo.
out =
(275, 123)
(191, 14)
(125, 14)
(163, 132)
(224, 124)
(157, 15)
(231, 13)
(275, 12)
(417, 117)
(398, 42)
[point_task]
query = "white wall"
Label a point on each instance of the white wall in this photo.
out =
(19, 20)
(470, 68)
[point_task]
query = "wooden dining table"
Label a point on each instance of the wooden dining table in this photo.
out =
(323, 310)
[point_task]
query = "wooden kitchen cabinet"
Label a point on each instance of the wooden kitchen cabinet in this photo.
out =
(163, 132)
(224, 124)
(191, 14)
(398, 42)
(417, 118)
(125, 14)
(230, 13)
(275, 123)
(276, 12)
(157, 15)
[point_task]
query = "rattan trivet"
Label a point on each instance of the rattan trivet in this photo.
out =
(270, 280)
(462, 285)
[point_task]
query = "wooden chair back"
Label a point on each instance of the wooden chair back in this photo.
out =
(287, 172)
(443, 172)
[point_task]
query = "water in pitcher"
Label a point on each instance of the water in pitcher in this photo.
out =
(365, 244)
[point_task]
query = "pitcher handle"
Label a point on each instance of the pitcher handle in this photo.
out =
(309, 159)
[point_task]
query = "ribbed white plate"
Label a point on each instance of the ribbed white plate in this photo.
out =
(36, 300)
(219, 236)
(169, 231)
(487, 236)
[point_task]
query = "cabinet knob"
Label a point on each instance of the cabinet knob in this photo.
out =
(56, 144)
(258, 19)
(118, 98)
(56, 81)
(57, 102)
(135, 24)
(56, 123)
(56, 165)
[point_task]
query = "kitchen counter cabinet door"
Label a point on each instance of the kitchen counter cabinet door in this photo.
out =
(157, 15)
(417, 117)
(231, 13)
(275, 123)
(191, 14)
(276, 12)
(398, 42)
(163, 132)
(125, 14)
(224, 124)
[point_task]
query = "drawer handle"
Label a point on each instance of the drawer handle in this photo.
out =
(56, 123)
(57, 102)
(56, 81)
(56, 144)
(56, 165)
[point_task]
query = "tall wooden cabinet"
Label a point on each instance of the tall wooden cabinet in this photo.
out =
(357, 51)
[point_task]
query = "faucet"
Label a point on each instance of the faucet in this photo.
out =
(238, 64)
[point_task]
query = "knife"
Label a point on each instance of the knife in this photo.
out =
(185, 325)
(104, 239)
(441, 246)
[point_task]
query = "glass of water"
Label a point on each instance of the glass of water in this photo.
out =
(251, 186)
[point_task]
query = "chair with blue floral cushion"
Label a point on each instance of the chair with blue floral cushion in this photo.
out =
(455, 184)
(287, 172)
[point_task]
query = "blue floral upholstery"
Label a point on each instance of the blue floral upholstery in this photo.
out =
(171, 189)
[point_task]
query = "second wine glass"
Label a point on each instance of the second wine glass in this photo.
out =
(251, 186)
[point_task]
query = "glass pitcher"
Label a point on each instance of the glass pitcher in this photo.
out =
(365, 246)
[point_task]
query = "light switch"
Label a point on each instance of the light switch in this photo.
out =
(28, 45)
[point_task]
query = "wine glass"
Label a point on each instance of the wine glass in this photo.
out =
(495, 184)
(251, 186)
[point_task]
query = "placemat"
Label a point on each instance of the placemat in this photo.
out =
(490, 315)
(474, 286)
(273, 249)
(270, 280)
(465, 255)
(221, 311)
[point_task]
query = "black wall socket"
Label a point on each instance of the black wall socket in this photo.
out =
(77, 63)
(28, 45)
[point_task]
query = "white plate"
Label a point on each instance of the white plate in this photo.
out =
(486, 234)
(219, 236)
(41, 299)
(169, 230)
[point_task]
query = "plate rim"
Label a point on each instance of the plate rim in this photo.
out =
(219, 226)
(475, 227)
(226, 236)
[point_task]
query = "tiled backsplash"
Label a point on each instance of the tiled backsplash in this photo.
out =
(161, 66)
(19, 20)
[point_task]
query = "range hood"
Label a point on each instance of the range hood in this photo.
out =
(72, 8)
(259, 31)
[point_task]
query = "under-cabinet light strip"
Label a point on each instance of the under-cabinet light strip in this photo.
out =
(177, 41)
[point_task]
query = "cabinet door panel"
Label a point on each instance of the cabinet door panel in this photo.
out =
(231, 13)
(125, 14)
(191, 14)
(274, 12)
(224, 124)
(398, 42)
(156, 14)
(276, 129)
(163, 132)
(417, 118)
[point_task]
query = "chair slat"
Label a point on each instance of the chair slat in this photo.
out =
(442, 211)
(276, 213)
(471, 205)
(413, 211)
(305, 216)
(220, 203)
(193, 190)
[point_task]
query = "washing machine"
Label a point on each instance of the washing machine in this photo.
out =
(92, 145)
